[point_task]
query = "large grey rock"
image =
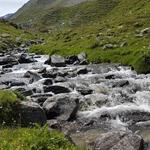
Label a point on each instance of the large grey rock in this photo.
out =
(56, 60)
(62, 107)
(119, 141)
(31, 113)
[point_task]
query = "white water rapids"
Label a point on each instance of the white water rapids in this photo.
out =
(109, 96)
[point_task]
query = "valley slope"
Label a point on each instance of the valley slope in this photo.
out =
(114, 31)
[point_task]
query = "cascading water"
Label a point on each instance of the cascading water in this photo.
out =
(120, 99)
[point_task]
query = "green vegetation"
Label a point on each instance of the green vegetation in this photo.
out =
(33, 139)
(9, 102)
(108, 31)
(11, 35)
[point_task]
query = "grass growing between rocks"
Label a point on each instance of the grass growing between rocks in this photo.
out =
(33, 139)
(11, 36)
(9, 103)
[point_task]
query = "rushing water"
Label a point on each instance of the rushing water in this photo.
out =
(120, 98)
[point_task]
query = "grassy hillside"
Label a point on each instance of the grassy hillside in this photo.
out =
(108, 31)
(11, 36)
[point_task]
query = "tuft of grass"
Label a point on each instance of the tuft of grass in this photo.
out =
(33, 139)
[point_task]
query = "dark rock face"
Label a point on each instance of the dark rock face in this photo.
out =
(62, 107)
(31, 113)
(119, 141)
(56, 89)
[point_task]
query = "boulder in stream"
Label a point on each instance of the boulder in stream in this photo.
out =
(56, 60)
(62, 106)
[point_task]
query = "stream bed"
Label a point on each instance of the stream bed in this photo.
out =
(111, 97)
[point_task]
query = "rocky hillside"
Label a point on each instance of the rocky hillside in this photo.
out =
(108, 31)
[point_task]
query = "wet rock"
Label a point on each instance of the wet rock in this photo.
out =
(60, 79)
(42, 70)
(84, 90)
(17, 83)
(95, 100)
(82, 71)
(121, 83)
(40, 98)
(111, 76)
(9, 65)
(31, 113)
(56, 60)
(24, 58)
(6, 70)
(49, 74)
(119, 141)
(56, 89)
(33, 76)
(72, 59)
(62, 73)
(62, 107)
(48, 61)
(48, 82)
(8, 60)
(84, 62)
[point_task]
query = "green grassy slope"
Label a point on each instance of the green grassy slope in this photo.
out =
(92, 26)
(11, 36)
